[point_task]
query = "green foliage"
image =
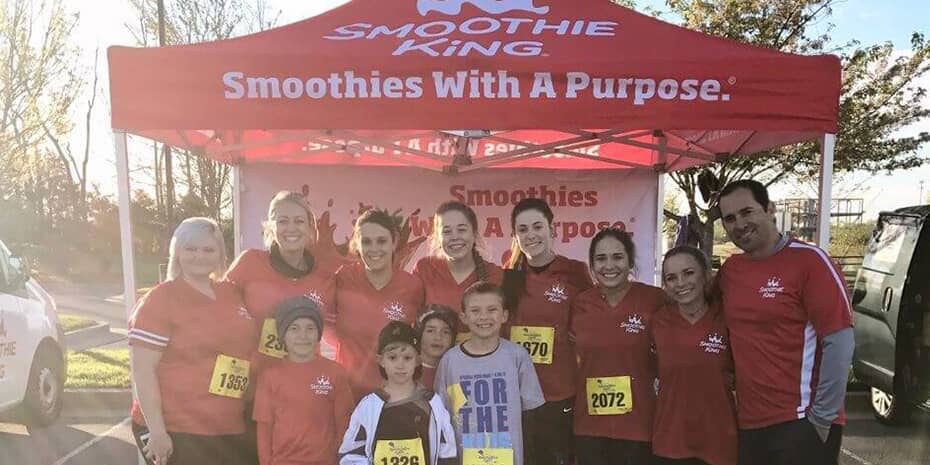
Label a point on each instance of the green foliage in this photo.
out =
(850, 239)
(879, 94)
(98, 368)
(71, 323)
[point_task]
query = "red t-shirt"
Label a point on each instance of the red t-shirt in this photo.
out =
(428, 376)
(695, 410)
(307, 408)
(546, 303)
(778, 310)
(361, 311)
(614, 342)
(191, 331)
(263, 287)
(439, 285)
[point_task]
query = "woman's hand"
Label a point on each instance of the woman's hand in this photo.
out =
(158, 448)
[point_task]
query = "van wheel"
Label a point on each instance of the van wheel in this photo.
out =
(44, 390)
(886, 408)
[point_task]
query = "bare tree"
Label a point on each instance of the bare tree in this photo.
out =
(77, 167)
(194, 21)
(38, 75)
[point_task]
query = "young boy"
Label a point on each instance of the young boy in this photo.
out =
(402, 423)
(487, 383)
(436, 332)
(303, 403)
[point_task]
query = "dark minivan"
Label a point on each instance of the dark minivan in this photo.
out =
(891, 311)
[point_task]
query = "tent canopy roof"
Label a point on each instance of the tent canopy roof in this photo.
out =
(561, 84)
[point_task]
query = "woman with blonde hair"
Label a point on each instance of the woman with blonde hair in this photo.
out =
(190, 345)
(286, 268)
(695, 418)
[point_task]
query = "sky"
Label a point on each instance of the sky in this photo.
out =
(103, 23)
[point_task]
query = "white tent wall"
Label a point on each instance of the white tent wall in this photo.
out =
(583, 201)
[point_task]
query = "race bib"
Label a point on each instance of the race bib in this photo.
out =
(537, 340)
(399, 452)
(609, 396)
(269, 344)
(230, 377)
(487, 456)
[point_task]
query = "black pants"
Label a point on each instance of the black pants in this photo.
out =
(667, 461)
(792, 443)
(591, 450)
(248, 441)
(195, 449)
(547, 434)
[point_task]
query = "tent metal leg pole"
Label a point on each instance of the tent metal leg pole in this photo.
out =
(660, 236)
(827, 145)
(125, 231)
(659, 138)
(125, 224)
(237, 209)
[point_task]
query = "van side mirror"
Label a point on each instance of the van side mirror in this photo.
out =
(21, 268)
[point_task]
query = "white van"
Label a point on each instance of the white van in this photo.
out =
(32, 362)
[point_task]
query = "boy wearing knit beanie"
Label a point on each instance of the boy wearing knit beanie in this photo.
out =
(302, 403)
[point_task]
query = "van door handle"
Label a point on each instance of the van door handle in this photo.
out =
(886, 299)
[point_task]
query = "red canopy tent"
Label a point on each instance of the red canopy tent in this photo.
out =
(371, 83)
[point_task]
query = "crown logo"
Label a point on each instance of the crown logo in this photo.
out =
(715, 339)
(454, 7)
(314, 296)
(773, 282)
(636, 320)
(323, 381)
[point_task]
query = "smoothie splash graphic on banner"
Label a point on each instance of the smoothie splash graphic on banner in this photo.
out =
(583, 202)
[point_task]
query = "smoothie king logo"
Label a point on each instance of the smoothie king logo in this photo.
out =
(462, 37)
(494, 7)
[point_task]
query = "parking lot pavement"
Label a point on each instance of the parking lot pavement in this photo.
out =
(108, 441)
(867, 442)
(71, 441)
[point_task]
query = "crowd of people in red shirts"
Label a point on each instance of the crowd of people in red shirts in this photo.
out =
(544, 361)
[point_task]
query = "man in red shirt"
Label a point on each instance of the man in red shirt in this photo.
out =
(788, 312)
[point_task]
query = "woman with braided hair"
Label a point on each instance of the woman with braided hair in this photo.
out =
(369, 294)
(455, 262)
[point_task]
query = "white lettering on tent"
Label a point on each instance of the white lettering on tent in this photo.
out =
(474, 84)
(234, 88)
(542, 84)
(459, 37)
(454, 7)
(710, 90)
(576, 81)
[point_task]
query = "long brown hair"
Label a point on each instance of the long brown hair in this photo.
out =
(436, 240)
(514, 284)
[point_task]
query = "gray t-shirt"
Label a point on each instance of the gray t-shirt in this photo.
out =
(486, 396)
